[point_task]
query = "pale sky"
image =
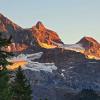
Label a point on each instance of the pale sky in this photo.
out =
(71, 19)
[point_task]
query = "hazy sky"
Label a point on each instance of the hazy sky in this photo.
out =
(71, 19)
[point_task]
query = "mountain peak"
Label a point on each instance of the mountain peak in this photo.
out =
(2, 18)
(91, 46)
(40, 25)
(44, 36)
(88, 40)
(1, 15)
(6, 25)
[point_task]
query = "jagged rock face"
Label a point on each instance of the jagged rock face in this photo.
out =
(15, 47)
(7, 26)
(11, 29)
(92, 47)
(40, 26)
(71, 75)
(23, 39)
(44, 36)
(51, 56)
(40, 37)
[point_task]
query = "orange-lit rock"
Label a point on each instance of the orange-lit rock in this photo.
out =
(92, 47)
(15, 47)
(16, 64)
(44, 36)
(6, 25)
(24, 37)
(39, 36)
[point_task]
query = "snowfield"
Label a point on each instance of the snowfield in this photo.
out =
(26, 57)
(34, 66)
(75, 47)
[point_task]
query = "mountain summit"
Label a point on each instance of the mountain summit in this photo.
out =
(40, 26)
(45, 36)
(91, 46)
(87, 42)
(41, 37)
(7, 25)
(38, 33)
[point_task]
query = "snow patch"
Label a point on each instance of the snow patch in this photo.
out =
(26, 57)
(63, 70)
(36, 66)
(62, 74)
(75, 47)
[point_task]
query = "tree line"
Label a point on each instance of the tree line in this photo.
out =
(18, 88)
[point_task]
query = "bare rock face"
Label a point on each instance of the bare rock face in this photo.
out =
(44, 36)
(92, 47)
(8, 26)
(40, 26)
(15, 47)
(23, 39)
(73, 70)
(39, 35)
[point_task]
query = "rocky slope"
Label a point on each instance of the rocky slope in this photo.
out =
(91, 46)
(27, 38)
(39, 38)
(56, 76)
(7, 25)
(59, 69)
(45, 36)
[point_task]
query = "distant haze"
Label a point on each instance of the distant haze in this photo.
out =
(71, 19)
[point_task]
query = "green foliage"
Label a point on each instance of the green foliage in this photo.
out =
(3, 54)
(3, 84)
(4, 73)
(20, 87)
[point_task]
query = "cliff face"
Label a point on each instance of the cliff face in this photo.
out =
(41, 37)
(24, 38)
(44, 36)
(8, 26)
(92, 47)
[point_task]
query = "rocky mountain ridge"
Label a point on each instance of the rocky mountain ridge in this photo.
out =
(52, 67)
(39, 37)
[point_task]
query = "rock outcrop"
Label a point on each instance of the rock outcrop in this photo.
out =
(91, 46)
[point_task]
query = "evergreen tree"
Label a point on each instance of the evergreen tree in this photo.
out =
(21, 87)
(3, 54)
(4, 73)
(4, 85)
